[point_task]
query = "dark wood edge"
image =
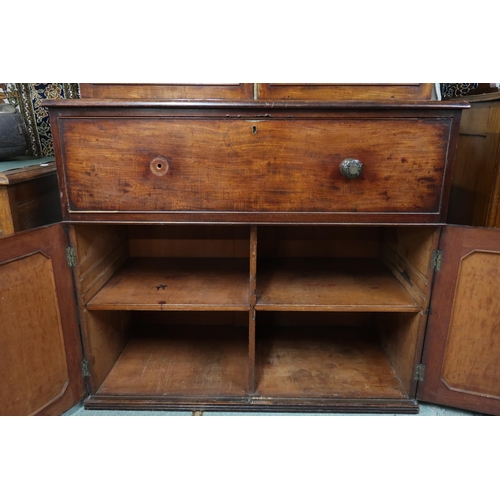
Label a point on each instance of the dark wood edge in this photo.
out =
(255, 218)
(251, 404)
(492, 96)
(251, 104)
(21, 174)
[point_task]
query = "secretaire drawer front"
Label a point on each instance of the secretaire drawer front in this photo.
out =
(165, 164)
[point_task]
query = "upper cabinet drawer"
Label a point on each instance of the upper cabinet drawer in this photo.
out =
(346, 91)
(167, 90)
(253, 164)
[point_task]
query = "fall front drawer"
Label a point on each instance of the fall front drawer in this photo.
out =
(253, 162)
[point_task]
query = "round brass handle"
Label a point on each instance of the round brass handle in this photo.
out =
(159, 166)
(351, 168)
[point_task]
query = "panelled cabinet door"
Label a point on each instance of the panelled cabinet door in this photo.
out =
(40, 350)
(233, 91)
(345, 91)
(462, 345)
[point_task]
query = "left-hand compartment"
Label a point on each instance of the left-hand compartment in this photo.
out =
(164, 312)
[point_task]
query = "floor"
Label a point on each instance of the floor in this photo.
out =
(426, 410)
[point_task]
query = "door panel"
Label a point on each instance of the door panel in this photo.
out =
(234, 91)
(346, 91)
(462, 346)
(40, 353)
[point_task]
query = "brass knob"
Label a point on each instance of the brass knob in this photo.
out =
(351, 168)
(159, 166)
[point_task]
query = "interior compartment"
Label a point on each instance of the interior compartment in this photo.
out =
(170, 268)
(123, 270)
(323, 355)
(174, 354)
(269, 313)
(343, 268)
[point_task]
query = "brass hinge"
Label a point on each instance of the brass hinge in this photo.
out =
(419, 373)
(85, 368)
(437, 260)
(71, 256)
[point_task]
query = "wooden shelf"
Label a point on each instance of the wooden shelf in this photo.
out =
(329, 285)
(157, 284)
(181, 361)
(330, 362)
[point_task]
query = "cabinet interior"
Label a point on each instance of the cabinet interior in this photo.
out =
(237, 312)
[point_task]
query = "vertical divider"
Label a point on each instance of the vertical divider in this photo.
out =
(251, 318)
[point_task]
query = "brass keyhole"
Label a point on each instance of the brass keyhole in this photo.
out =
(254, 129)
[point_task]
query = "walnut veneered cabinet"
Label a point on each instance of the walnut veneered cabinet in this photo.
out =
(259, 256)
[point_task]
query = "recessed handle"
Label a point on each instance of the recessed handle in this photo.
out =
(351, 168)
(159, 166)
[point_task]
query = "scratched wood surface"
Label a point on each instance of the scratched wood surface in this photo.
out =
(182, 361)
(247, 165)
(176, 284)
(337, 362)
(330, 285)
(462, 347)
(347, 91)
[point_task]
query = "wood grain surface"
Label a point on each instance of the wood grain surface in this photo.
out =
(265, 165)
(330, 285)
(40, 350)
(323, 362)
(462, 346)
(166, 91)
(347, 91)
(176, 284)
(182, 361)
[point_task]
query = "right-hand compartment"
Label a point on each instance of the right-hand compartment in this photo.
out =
(325, 358)
(341, 311)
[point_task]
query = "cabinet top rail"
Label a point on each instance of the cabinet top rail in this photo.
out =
(195, 103)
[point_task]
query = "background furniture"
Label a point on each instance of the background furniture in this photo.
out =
(29, 194)
(475, 192)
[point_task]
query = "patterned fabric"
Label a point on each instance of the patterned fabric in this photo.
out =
(27, 99)
(449, 90)
(3, 93)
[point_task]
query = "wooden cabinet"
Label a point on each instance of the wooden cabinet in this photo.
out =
(475, 193)
(29, 194)
(221, 259)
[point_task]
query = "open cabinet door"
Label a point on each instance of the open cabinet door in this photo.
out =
(462, 344)
(40, 349)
